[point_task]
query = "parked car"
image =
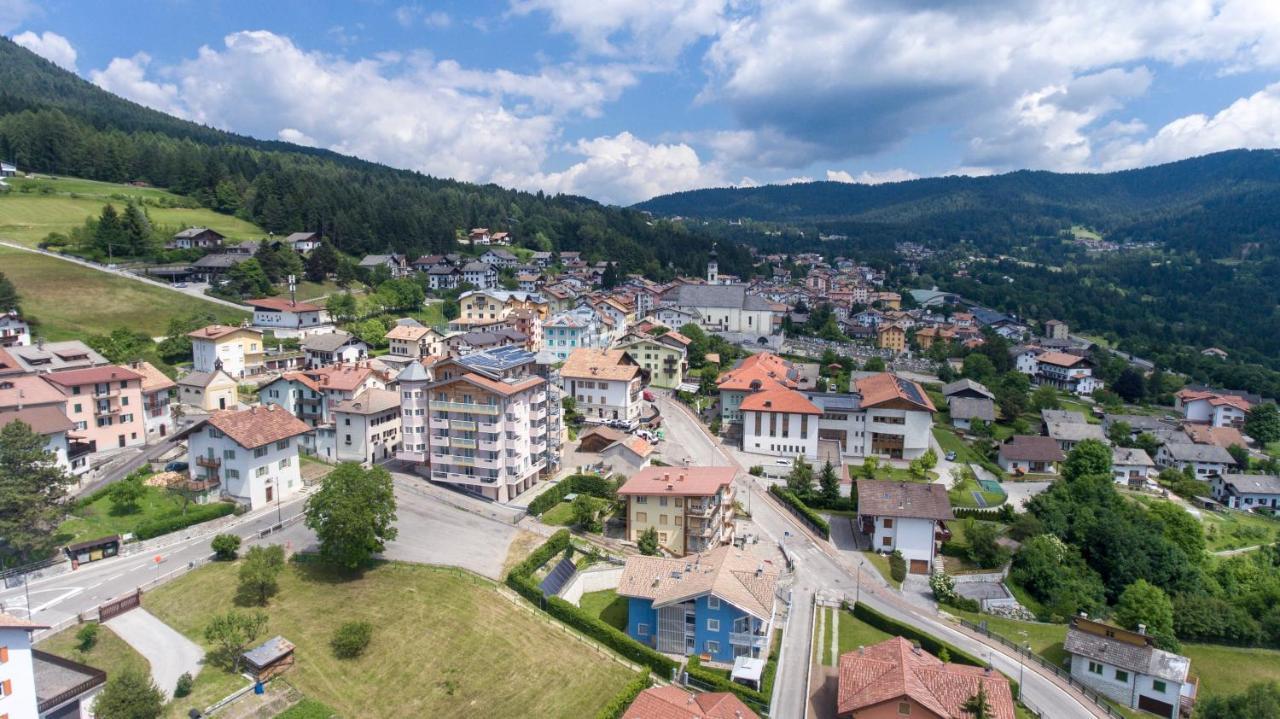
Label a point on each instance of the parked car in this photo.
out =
(783, 461)
(176, 467)
(180, 285)
(951, 456)
(648, 396)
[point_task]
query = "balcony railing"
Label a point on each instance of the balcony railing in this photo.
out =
(462, 425)
(463, 478)
(210, 462)
(462, 442)
(747, 639)
(470, 407)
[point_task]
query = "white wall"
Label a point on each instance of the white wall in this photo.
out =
(248, 487)
(775, 444)
(18, 671)
(591, 580)
(913, 537)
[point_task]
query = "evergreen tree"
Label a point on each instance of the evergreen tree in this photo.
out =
(247, 279)
(9, 299)
(32, 487)
(830, 483)
(129, 694)
(1263, 423)
(137, 230)
(800, 479)
(110, 236)
(322, 262)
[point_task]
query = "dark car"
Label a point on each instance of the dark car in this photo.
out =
(176, 467)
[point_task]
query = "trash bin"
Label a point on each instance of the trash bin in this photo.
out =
(259, 688)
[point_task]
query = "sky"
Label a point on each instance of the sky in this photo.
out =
(621, 100)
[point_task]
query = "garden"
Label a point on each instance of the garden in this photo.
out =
(131, 506)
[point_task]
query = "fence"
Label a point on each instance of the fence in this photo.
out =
(116, 607)
(1098, 699)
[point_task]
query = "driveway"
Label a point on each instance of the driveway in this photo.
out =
(433, 532)
(171, 654)
(1020, 492)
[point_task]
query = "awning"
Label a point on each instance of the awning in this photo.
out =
(687, 387)
(747, 670)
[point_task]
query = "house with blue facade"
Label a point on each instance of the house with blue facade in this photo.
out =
(719, 604)
(567, 331)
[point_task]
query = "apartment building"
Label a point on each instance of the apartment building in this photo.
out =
(43, 407)
(605, 384)
(415, 412)
(309, 395)
(287, 318)
(567, 331)
(691, 508)
(238, 351)
(1216, 409)
(105, 405)
(490, 425)
(248, 456)
(409, 341)
(366, 428)
(157, 397)
(665, 358)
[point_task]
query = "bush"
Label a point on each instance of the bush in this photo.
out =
(520, 578)
(183, 687)
(195, 515)
(801, 510)
(592, 484)
(225, 546)
(1004, 513)
(617, 706)
(87, 636)
(897, 566)
(756, 471)
(351, 639)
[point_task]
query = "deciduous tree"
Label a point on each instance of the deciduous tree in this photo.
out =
(1143, 603)
(129, 694)
(232, 633)
(353, 514)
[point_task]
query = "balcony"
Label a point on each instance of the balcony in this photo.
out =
(439, 423)
(701, 510)
(468, 407)
(462, 425)
(747, 639)
(202, 485)
(459, 477)
(462, 442)
(209, 462)
(488, 445)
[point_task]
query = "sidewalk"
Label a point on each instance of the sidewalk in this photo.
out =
(171, 654)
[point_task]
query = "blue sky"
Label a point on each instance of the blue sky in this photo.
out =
(620, 100)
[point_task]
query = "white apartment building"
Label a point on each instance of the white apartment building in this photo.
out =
(14, 331)
(489, 423)
(1215, 409)
(17, 674)
(287, 318)
(605, 384)
(415, 413)
(906, 517)
(235, 350)
(366, 428)
(248, 456)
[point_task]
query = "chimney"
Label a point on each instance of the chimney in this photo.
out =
(915, 647)
(1142, 629)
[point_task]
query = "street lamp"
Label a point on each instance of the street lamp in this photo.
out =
(861, 563)
(1021, 650)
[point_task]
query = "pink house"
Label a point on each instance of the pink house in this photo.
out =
(105, 404)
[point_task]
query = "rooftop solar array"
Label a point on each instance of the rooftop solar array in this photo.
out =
(498, 359)
(558, 577)
(910, 390)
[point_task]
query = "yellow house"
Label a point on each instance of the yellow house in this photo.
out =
(891, 337)
(690, 508)
(208, 391)
(238, 351)
(665, 358)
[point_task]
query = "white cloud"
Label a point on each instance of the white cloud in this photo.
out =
(51, 46)
(414, 15)
(872, 177)
(414, 111)
(127, 77)
(14, 12)
(655, 30)
(1250, 122)
(624, 169)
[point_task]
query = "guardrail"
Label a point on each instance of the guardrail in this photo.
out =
(1098, 699)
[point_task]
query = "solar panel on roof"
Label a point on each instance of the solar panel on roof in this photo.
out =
(558, 577)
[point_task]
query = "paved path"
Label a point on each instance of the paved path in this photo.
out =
(171, 654)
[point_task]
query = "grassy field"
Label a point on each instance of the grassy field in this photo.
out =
(71, 301)
(444, 643)
(962, 495)
(27, 217)
(99, 519)
(561, 515)
(1233, 530)
(308, 291)
(110, 654)
(608, 606)
(881, 564)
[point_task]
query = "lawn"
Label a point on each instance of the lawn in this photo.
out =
(26, 218)
(444, 642)
(71, 301)
(1234, 530)
(100, 519)
(310, 291)
(880, 563)
(561, 515)
(852, 633)
(962, 495)
(608, 606)
(432, 314)
(892, 474)
(111, 654)
(951, 442)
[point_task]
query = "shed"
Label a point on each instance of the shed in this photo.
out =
(270, 658)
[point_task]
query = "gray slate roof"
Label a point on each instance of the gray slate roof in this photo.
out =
(1136, 422)
(1188, 452)
(1076, 431)
(1130, 457)
(1253, 483)
(1144, 660)
(1029, 448)
(726, 296)
(878, 498)
(1061, 415)
(327, 342)
(966, 385)
(973, 408)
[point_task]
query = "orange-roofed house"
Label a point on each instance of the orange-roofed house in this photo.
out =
(1216, 409)
(410, 341)
(691, 508)
(898, 679)
(672, 702)
(288, 318)
(104, 404)
(309, 395)
(604, 383)
(754, 373)
(718, 604)
(157, 395)
(782, 422)
(238, 351)
(249, 456)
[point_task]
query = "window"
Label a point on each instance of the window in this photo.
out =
(713, 602)
(1159, 686)
(662, 537)
(662, 501)
(260, 452)
(713, 625)
(904, 709)
(662, 519)
(642, 630)
(4, 655)
(713, 648)
(679, 521)
(886, 541)
(78, 407)
(228, 454)
(888, 522)
(260, 471)
(6, 688)
(1122, 675)
(124, 401)
(642, 516)
(233, 474)
(284, 462)
(1095, 668)
(642, 500)
(282, 444)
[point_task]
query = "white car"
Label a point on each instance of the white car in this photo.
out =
(783, 461)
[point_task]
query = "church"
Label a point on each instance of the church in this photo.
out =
(725, 308)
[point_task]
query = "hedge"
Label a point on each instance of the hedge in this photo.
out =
(1004, 513)
(617, 706)
(195, 514)
(592, 484)
(800, 509)
(720, 680)
(520, 578)
(928, 642)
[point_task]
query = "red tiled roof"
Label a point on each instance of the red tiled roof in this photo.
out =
(779, 400)
(153, 380)
(763, 370)
(213, 332)
(283, 305)
(894, 669)
(45, 419)
(685, 482)
(587, 363)
(8, 621)
(29, 390)
(92, 375)
(672, 702)
(1061, 359)
(258, 426)
(886, 387)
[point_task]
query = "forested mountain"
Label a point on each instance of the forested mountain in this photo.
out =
(1211, 204)
(53, 121)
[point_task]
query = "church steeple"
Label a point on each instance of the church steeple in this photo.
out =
(713, 267)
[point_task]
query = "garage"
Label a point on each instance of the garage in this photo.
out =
(1155, 706)
(919, 566)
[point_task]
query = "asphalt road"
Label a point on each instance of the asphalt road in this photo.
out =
(820, 567)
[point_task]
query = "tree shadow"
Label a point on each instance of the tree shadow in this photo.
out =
(124, 510)
(312, 569)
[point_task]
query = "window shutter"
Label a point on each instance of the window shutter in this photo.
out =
(8, 687)
(4, 654)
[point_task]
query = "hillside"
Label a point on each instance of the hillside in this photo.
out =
(53, 121)
(1210, 204)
